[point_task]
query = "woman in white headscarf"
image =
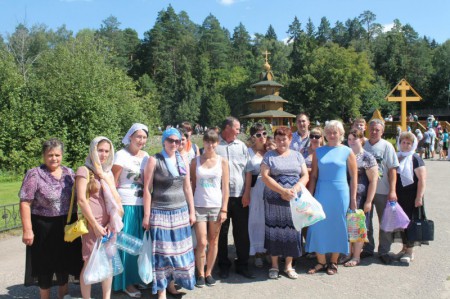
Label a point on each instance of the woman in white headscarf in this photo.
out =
(410, 188)
(103, 209)
(128, 170)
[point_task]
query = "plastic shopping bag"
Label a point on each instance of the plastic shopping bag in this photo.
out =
(144, 261)
(394, 218)
(99, 266)
(356, 226)
(113, 253)
(306, 210)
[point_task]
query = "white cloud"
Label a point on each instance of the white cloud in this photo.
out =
(227, 2)
(388, 27)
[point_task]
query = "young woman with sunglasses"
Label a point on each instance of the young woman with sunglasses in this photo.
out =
(315, 141)
(256, 223)
(168, 214)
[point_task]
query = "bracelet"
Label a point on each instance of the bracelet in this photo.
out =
(223, 211)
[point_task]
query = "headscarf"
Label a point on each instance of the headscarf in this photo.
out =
(180, 168)
(135, 127)
(103, 171)
(406, 168)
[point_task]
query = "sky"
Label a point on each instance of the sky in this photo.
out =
(430, 18)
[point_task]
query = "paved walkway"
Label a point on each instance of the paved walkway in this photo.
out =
(427, 277)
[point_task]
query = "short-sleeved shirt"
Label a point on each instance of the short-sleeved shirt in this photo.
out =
(236, 152)
(255, 162)
(130, 185)
(297, 143)
(48, 196)
(386, 157)
(364, 161)
(290, 164)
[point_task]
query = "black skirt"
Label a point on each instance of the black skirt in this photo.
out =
(50, 254)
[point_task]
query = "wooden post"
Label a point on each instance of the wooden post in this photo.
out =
(403, 86)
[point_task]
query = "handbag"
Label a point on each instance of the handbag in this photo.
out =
(80, 227)
(420, 229)
(356, 226)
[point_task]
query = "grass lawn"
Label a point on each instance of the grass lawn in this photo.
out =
(8, 192)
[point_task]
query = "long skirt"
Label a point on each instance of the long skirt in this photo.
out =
(50, 259)
(256, 221)
(132, 220)
(281, 237)
(173, 255)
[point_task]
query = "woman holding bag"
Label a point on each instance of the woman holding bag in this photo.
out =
(128, 172)
(168, 214)
(103, 209)
(367, 185)
(283, 171)
(410, 188)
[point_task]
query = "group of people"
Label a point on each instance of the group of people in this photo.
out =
(185, 189)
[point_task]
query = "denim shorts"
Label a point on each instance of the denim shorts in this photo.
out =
(206, 214)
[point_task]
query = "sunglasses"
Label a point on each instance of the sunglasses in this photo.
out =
(259, 135)
(176, 141)
(313, 136)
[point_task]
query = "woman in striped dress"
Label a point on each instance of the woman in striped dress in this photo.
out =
(169, 213)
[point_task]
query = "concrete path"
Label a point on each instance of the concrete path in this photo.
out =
(427, 277)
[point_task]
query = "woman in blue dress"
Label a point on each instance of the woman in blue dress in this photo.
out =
(328, 183)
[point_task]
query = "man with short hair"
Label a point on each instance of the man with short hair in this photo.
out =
(387, 160)
(236, 152)
(300, 139)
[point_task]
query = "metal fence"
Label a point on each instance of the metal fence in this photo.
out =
(10, 217)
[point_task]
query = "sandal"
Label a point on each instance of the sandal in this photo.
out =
(352, 263)
(291, 273)
(344, 259)
(317, 268)
(274, 273)
(332, 269)
(136, 294)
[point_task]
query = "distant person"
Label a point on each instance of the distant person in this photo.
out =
(44, 204)
(387, 161)
(415, 117)
(190, 147)
(420, 143)
(300, 139)
(445, 140)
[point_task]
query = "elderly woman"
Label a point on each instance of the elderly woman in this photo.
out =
(128, 172)
(169, 213)
(411, 178)
(367, 185)
(256, 226)
(328, 183)
(283, 171)
(99, 203)
(44, 204)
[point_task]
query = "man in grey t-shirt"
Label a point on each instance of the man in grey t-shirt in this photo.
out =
(387, 161)
(236, 152)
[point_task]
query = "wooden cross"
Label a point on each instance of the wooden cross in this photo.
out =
(403, 86)
(266, 53)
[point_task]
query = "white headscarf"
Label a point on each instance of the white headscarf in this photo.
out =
(406, 168)
(110, 193)
(135, 127)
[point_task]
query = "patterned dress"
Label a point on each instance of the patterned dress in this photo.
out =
(281, 238)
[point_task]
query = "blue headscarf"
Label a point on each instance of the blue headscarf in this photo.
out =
(180, 168)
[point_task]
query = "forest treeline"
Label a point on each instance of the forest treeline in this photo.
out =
(99, 81)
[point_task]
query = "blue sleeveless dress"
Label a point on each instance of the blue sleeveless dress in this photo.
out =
(332, 191)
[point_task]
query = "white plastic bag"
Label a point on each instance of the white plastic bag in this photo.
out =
(99, 266)
(306, 210)
(144, 261)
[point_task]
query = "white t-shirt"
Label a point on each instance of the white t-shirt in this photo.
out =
(131, 178)
(208, 185)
